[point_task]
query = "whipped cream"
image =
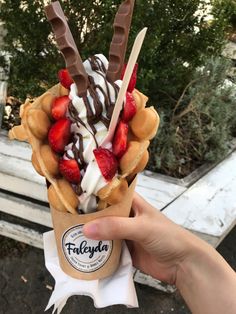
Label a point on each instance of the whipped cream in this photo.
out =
(91, 115)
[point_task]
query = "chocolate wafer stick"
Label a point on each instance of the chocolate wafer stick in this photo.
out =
(120, 39)
(67, 46)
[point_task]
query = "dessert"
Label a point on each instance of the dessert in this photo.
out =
(87, 147)
(66, 126)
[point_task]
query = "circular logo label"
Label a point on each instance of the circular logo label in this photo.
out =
(84, 254)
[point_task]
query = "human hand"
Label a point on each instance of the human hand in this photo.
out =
(157, 245)
(172, 254)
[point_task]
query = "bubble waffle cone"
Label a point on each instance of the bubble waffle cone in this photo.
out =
(36, 122)
(67, 128)
(115, 197)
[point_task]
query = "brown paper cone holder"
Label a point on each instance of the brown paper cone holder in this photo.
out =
(78, 258)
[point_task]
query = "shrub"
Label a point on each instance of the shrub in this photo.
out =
(176, 36)
(226, 9)
(202, 122)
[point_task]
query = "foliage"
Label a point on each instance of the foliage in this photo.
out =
(226, 9)
(202, 122)
(178, 41)
(35, 59)
(176, 36)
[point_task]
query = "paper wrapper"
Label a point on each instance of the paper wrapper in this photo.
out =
(100, 290)
(83, 258)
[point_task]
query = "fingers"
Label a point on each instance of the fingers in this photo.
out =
(136, 205)
(111, 228)
(140, 205)
(137, 228)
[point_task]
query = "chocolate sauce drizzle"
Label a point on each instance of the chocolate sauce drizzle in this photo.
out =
(94, 117)
(78, 153)
(99, 68)
(94, 110)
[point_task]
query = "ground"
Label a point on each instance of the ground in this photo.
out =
(26, 285)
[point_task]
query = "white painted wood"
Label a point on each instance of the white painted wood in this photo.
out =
(21, 234)
(17, 174)
(157, 191)
(23, 187)
(144, 279)
(209, 206)
(25, 209)
(20, 168)
(14, 148)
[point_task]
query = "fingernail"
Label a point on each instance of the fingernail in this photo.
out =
(91, 230)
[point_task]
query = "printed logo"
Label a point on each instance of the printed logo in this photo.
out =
(84, 254)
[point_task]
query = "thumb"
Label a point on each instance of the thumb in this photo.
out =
(111, 228)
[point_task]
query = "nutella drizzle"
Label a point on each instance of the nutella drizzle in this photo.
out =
(93, 115)
(78, 153)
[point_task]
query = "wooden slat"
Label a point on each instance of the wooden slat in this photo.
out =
(209, 206)
(14, 148)
(17, 174)
(20, 168)
(25, 209)
(157, 191)
(144, 279)
(23, 187)
(22, 234)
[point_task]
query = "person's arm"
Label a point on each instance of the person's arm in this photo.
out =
(206, 282)
(170, 253)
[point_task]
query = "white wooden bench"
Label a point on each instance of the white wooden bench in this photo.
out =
(206, 204)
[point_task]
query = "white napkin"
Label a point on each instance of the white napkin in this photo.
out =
(103, 292)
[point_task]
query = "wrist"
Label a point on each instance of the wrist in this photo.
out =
(197, 259)
(203, 279)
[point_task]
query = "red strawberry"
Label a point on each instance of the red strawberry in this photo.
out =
(64, 78)
(59, 135)
(59, 107)
(130, 108)
(107, 162)
(119, 144)
(133, 78)
(70, 170)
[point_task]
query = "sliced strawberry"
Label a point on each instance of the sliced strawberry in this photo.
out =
(64, 78)
(133, 78)
(59, 135)
(107, 162)
(59, 107)
(130, 108)
(70, 170)
(119, 144)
